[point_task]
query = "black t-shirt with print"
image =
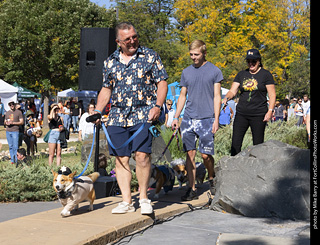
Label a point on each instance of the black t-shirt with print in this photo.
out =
(74, 108)
(253, 92)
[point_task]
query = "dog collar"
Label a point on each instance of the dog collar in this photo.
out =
(67, 192)
(64, 195)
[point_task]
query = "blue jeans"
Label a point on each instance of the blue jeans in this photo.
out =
(13, 142)
(66, 122)
(75, 123)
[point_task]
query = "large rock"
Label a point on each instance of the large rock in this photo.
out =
(267, 180)
(158, 145)
(86, 147)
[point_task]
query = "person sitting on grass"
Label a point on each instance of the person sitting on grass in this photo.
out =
(30, 138)
(102, 164)
(23, 159)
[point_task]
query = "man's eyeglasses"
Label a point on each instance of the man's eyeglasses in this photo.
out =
(128, 40)
(169, 104)
(11, 104)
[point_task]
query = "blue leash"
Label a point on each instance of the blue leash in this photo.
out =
(89, 157)
(110, 143)
(125, 143)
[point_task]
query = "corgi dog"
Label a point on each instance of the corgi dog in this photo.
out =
(161, 176)
(73, 191)
(179, 167)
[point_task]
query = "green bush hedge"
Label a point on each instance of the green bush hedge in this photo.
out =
(286, 132)
(33, 183)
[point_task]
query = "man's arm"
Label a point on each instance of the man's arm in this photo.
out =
(217, 106)
(154, 113)
(103, 98)
(180, 104)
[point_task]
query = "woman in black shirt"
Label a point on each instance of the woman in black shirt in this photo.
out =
(253, 110)
(56, 126)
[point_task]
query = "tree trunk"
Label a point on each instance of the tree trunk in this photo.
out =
(45, 109)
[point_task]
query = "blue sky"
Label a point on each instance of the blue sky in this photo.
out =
(107, 3)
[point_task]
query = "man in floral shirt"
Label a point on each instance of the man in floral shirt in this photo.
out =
(135, 79)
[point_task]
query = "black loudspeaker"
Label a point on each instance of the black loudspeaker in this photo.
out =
(96, 44)
(106, 186)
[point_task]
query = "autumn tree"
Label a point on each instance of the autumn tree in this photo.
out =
(280, 29)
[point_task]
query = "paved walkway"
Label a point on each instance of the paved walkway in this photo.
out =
(102, 227)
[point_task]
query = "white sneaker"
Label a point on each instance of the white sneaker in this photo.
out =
(146, 207)
(123, 207)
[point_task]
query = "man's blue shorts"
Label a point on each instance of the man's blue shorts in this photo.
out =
(193, 129)
(119, 135)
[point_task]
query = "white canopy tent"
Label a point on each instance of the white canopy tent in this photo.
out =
(67, 93)
(81, 94)
(84, 95)
(7, 93)
(224, 91)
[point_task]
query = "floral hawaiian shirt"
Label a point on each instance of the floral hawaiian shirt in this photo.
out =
(134, 86)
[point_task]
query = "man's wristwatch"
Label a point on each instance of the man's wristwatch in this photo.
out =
(158, 106)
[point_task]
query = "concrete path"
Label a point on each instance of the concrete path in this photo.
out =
(102, 227)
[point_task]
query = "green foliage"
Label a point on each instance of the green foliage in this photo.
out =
(33, 183)
(40, 40)
(286, 132)
(173, 147)
(153, 22)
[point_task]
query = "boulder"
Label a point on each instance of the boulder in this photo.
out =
(158, 146)
(267, 180)
(86, 147)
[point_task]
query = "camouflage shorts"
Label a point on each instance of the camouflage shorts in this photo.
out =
(194, 129)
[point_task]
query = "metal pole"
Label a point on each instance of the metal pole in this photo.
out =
(96, 155)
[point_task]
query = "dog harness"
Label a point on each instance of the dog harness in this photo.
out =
(77, 194)
(170, 177)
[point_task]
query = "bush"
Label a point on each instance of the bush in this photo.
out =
(33, 183)
(287, 132)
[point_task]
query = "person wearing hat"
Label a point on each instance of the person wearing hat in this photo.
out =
(253, 111)
(56, 126)
(13, 119)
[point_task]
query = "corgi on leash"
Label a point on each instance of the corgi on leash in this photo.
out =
(73, 191)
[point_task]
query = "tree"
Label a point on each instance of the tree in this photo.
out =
(280, 29)
(152, 20)
(40, 41)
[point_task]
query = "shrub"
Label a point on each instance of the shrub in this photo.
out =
(287, 132)
(33, 183)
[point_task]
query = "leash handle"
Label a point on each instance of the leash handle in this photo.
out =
(90, 154)
(93, 117)
(222, 106)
